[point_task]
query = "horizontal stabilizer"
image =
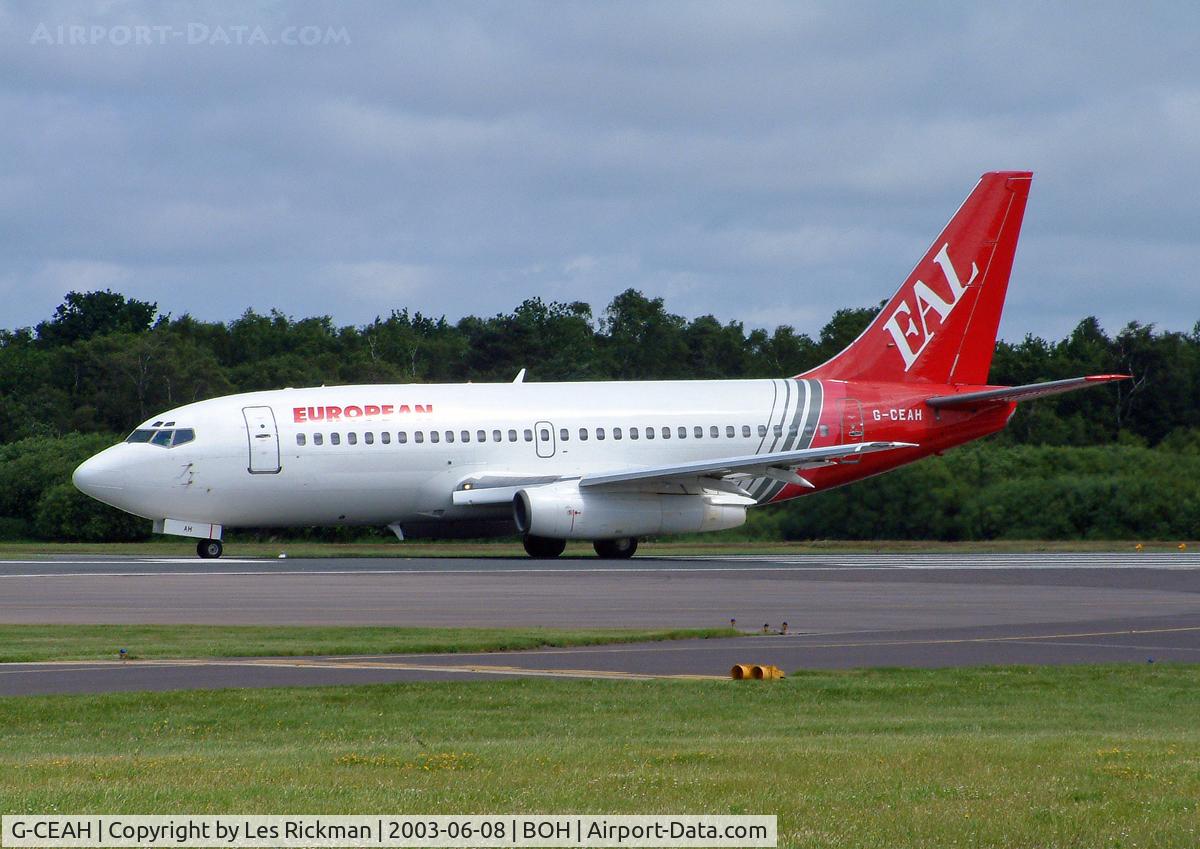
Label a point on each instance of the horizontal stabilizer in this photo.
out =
(1020, 393)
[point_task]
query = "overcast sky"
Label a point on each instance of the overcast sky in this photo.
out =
(763, 162)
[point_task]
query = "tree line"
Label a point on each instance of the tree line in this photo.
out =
(103, 363)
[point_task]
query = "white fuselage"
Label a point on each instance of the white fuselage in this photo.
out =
(395, 454)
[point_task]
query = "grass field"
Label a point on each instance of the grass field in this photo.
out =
(168, 547)
(1004, 757)
(103, 642)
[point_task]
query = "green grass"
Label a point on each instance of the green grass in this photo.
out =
(1047, 757)
(162, 547)
(102, 642)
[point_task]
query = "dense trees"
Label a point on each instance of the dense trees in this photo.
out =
(104, 362)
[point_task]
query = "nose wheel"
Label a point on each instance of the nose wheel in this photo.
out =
(209, 549)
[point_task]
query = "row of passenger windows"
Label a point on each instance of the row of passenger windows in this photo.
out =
(564, 434)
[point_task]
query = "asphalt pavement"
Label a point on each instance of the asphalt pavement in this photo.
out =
(841, 611)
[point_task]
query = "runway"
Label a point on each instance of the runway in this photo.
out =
(841, 611)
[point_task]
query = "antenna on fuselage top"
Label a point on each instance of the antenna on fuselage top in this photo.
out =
(520, 378)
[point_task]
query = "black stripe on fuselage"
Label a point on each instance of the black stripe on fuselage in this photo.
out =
(810, 398)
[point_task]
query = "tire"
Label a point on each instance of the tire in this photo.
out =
(544, 548)
(209, 549)
(616, 549)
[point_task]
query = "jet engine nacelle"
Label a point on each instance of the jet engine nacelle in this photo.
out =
(564, 511)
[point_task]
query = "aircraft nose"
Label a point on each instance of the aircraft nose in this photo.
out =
(99, 476)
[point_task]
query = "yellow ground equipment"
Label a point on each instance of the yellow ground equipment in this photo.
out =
(757, 672)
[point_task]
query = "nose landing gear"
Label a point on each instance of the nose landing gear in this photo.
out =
(209, 549)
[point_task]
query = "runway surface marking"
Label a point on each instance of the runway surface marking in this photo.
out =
(397, 662)
(647, 565)
(59, 667)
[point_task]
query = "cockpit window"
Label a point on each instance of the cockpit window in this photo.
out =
(163, 438)
(166, 438)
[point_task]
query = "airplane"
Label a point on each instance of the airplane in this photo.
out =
(606, 462)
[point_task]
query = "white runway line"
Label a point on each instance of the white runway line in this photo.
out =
(653, 565)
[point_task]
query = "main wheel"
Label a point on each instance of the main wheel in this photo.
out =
(616, 549)
(543, 547)
(209, 549)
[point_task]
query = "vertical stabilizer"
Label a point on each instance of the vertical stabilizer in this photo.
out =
(940, 327)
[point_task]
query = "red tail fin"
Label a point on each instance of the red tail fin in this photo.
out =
(941, 326)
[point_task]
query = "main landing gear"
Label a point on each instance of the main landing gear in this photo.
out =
(209, 549)
(616, 549)
(544, 548)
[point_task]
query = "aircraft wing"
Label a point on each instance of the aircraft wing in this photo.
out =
(1020, 393)
(778, 464)
(781, 465)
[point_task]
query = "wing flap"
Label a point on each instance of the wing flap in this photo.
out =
(1006, 394)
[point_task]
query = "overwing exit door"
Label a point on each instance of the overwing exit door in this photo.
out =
(264, 440)
(543, 437)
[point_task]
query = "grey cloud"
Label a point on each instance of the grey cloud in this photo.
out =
(766, 162)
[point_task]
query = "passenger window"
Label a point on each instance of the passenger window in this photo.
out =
(352, 438)
(496, 436)
(140, 436)
(465, 436)
(301, 439)
(335, 439)
(746, 431)
(369, 438)
(401, 436)
(481, 436)
(528, 434)
(512, 435)
(762, 430)
(386, 438)
(634, 433)
(318, 439)
(729, 431)
(563, 434)
(714, 432)
(616, 433)
(698, 432)
(583, 434)
(682, 432)
(184, 434)
(419, 436)
(599, 433)
(649, 433)
(449, 436)
(778, 430)
(666, 431)
(545, 434)
(434, 436)
(163, 437)
(824, 430)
